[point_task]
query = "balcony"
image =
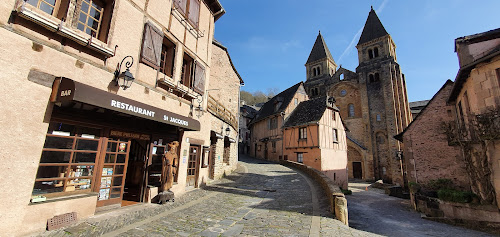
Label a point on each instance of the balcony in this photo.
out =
(219, 111)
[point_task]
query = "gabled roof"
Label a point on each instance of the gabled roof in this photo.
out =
(285, 97)
(399, 136)
(373, 28)
(319, 50)
(309, 111)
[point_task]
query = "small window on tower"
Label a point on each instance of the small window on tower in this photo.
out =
(342, 76)
(372, 78)
(379, 118)
(375, 52)
(370, 54)
(351, 110)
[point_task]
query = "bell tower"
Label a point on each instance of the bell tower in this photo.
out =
(320, 62)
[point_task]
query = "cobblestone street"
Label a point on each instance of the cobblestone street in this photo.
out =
(264, 199)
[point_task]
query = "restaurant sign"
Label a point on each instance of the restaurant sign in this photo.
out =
(66, 90)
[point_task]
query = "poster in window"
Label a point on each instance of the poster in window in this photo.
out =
(103, 182)
(122, 147)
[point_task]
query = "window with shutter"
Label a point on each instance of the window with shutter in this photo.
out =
(199, 78)
(194, 12)
(186, 71)
(181, 5)
(151, 46)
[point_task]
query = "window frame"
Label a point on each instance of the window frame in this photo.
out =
(187, 70)
(300, 157)
(303, 133)
(167, 57)
(351, 113)
(186, 12)
(335, 135)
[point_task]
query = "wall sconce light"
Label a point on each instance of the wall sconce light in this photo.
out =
(228, 130)
(199, 109)
(124, 79)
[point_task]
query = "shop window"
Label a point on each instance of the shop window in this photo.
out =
(335, 135)
(303, 133)
(189, 9)
(300, 157)
(68, 160)
(351, 110)
(167, 58)
(205, 157)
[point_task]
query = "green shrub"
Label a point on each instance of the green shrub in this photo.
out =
(437, 184)
(452, 195)
(414, 187)
(346, 191)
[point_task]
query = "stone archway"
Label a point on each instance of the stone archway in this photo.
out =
(355, 163)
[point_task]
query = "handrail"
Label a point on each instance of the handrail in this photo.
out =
(217, 109)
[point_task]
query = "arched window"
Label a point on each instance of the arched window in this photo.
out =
(379, 118)
(342, 76)
(375, 52)
(351, 110)
(312, 92)
(319, 71)
(314, 72)
(372, 79)
(377, 77)
(370, 54)
(316, 91)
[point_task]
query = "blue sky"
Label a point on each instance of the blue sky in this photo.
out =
(269, 40)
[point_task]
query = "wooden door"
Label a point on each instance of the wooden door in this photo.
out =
(357, 170)
(110, 178)
(193, 166)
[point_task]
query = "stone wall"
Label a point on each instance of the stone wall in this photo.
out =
(427, 153)
(338, 203)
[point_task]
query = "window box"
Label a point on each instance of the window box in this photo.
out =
(54, 24)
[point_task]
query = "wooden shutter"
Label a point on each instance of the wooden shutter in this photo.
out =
(151, 46)
(181, 5)
(194, 12)
(199, 78)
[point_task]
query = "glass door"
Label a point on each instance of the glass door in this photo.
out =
(111, 174)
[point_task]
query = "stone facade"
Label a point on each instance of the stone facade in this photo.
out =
(247, 113)
(46, 47)
(476, 98)
(427, 154)
(372, 101)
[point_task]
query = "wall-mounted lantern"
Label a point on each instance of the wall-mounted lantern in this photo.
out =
(124, 79)
(199, 108)
(228, 130)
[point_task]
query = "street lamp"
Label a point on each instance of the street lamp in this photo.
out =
(199, 109)
(124, 79)
(228, 130)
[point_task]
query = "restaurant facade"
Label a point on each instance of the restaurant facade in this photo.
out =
(95, 93)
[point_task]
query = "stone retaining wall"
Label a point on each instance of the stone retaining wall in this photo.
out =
(337, 200)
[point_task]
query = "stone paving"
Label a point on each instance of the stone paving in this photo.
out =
(259, 199)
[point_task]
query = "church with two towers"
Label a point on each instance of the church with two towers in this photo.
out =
(373, 101)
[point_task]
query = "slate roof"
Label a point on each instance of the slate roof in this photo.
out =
(285, 97)
(373, 28)
(308, 111)
(319, 50)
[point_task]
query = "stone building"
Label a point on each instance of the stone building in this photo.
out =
(247, 113)
(267, 126)
(476, 98)
(428, 155)
(372, 101)
(315, 135)
(80, 133)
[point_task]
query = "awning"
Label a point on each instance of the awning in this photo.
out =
(231, 140)
(216, 135)
(67, 90)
